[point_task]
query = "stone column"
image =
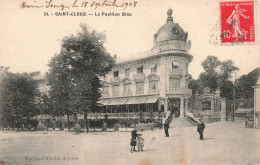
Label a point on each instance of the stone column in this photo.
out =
(186, 106)
(182, 107)
(166, 106)
(223, 111)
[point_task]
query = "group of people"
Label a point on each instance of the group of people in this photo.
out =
(200, 128)
(137, 139)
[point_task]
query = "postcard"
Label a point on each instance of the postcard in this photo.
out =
(130, 82)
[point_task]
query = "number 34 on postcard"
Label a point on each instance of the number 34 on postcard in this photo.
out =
(237, 22)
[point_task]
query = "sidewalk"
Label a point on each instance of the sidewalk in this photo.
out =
(225, 143)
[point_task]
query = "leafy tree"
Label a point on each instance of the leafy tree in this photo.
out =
(244, 84)
(19, 93)
(210, 64)
(60, 82)
(75, 75)
(45, 106)
(217, 74)
(3, 104)
(194, 86)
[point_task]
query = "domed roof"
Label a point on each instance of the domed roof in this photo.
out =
(170, 31)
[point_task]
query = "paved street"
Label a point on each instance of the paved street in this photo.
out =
(225, 143)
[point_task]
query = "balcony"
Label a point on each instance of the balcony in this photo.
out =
(153, 91)
(105, 95)
(176, 72)
(115, 80)
(126, 94)
(179, 91)
(140, 77)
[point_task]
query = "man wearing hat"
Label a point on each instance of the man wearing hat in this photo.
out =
(200, 128)
(166, 127)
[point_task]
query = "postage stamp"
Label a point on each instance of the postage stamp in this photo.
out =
(237, 22)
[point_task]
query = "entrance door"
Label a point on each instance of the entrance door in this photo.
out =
(174, 106)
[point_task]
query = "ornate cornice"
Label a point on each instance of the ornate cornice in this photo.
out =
(155, 56)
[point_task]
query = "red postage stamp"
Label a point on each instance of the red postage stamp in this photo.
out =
(237, 22)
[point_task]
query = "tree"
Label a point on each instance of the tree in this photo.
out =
(210, 64)
(81, 63)
(245, 82)
(19, 94)
(194, 86)
(3, 109)
(217, 74)
(45, 107)
(60, 81)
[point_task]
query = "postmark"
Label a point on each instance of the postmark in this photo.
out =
(237, 22)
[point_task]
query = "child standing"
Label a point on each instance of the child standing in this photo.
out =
(133, 140)
(140, 142)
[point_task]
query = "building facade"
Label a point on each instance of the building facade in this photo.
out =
(153, 85)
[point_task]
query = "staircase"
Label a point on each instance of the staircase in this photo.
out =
(181, 122)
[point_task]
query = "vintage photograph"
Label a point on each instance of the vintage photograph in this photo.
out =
(98, 82)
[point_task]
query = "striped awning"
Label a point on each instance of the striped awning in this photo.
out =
(117, 102)
(151, 100)
(136, 101)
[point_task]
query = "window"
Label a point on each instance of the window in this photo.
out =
(140, 70)
(105, 90)
(127, 88)
(154, 69)
(115, 89)
(115, 73)
(153, 85)
(139, 88)
(174, 83)
(175, 65)
(127, 72)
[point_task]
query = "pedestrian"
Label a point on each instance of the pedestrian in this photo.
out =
(77, 128)
(166, 127)
(140, 142)
(200, 128)
(133, 140)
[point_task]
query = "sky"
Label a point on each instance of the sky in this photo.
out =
(28, 39)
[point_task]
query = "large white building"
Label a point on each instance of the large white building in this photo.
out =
(154, 84)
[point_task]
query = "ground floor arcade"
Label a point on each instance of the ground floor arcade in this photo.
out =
(147, 107)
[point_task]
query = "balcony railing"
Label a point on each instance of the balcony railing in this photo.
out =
(115, 80)
(128, 93)
(179, 91)
(140, 77)
(176, 72)
(124, 115)
(153, 91)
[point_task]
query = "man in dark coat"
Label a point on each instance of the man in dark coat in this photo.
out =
(166, 127)
(200, 128)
